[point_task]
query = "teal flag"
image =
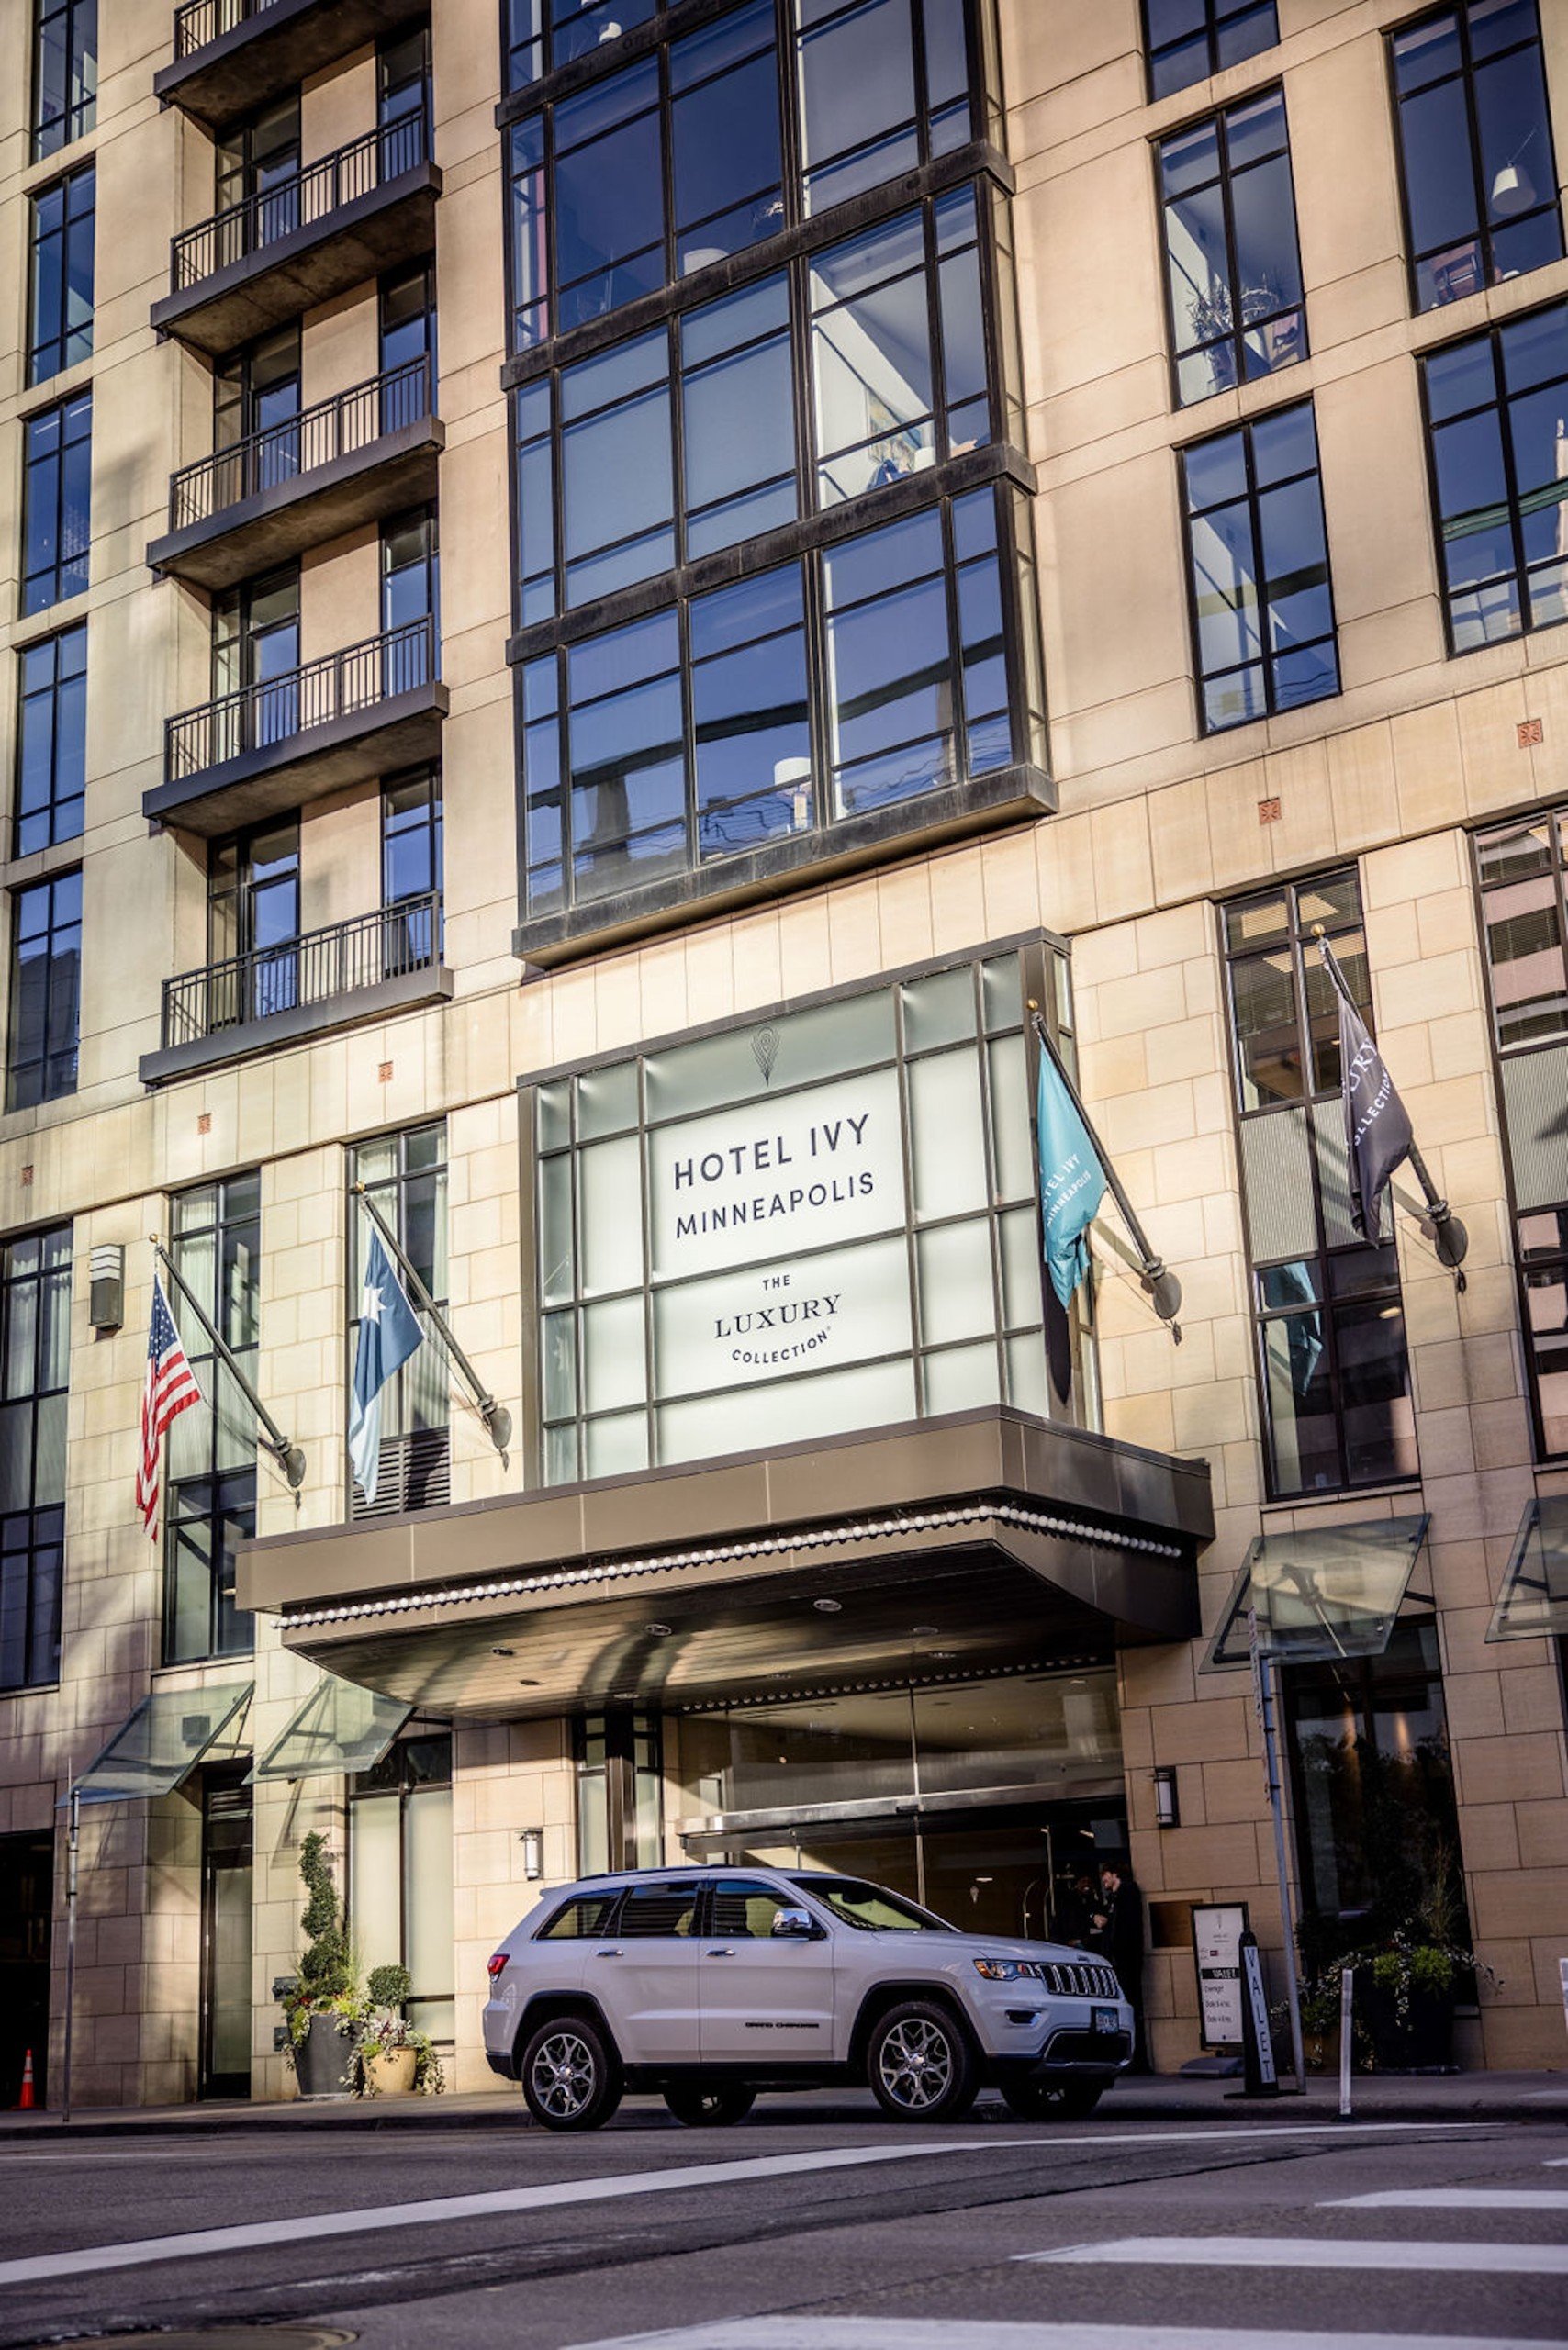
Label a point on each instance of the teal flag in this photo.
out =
(1072, 1182)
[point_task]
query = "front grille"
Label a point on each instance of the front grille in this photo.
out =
(1079, 1979)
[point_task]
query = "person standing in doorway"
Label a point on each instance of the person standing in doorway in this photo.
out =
(1118, 1936)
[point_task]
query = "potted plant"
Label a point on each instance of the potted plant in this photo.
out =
(322, 2006)
(390, 2058)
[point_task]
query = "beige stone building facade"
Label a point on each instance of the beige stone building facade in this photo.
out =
(589, 591)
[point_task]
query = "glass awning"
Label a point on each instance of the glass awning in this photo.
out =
(1321, 1591)
(165, 1738)
(339, 1726)
(1533, 1602)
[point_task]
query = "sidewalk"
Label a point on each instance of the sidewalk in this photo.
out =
(1454, 2097)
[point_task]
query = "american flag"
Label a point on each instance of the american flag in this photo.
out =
(171, 1389)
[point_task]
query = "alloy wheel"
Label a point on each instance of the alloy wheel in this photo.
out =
(562, 2075)
(915, 2062)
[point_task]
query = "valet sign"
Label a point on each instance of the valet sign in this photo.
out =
(778, 1236)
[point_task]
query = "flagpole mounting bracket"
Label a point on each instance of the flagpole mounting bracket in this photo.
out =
(289, 1457)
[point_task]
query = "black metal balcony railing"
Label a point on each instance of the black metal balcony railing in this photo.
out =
(341, 685)
(200, 21)
(336, 427)
(311, 970)
(306, 196)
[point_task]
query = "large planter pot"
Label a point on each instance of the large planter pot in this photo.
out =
(323, 2060)
(391, 2072)
(1421, 2042)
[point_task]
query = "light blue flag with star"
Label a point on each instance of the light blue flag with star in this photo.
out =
(388, 1333)
(1072, 1182)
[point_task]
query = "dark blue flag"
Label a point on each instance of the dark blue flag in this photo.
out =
(388, 1333)
(1377, 1130)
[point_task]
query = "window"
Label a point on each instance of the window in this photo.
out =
(255, 398)
(619, 1760)
(35, 1369)
(676, 162)
(659, 1911)
(1233, 271)
(216, 1243)
(1495, 405)
(687, 737)
(65, 73)
(401, 1904)
(46, 975)
(411, 871)
(754, 1230)
(52, 741)
(60, 309)
(1332, 1365)
(743, 1912)
(1190, 40)
(1372, 1795)
(407, 319)
(580, 1921)
(1479, 176)
(252, 923)
(1522, 869)
(1263, 608)
(411, 601)
(405, 1174)
(56, 525)
(257, 186)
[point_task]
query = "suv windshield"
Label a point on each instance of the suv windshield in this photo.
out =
(872, 1907)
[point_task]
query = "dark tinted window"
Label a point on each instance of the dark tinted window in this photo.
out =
(52, 741)
(744, 1912)
(56, 526)
(1233, 271)
(65, 72)
(659, 1909)
(872, 1906)
(579, 1920)
(1190, 40)
(60, 315)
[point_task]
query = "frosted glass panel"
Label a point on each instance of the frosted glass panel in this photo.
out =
(938, 1011)
(948, 1140)
(560, 1366)
(375, 1884)
(1010, 1120)
(617, 1445)
(612, 1354)
(612, 1222)
(873, 1397)
(428, 1833)
(556, 1229)
(962, 1381)
(954, 1281)
(1021, 1267)
(746, 1064)
(1026, 1387)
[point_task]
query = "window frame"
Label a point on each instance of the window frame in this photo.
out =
(400, 1784)
(36, 1527)
(1330, 1305)
(1465, 75)
(219, 1493)
(54, 468)
(1234, 341)
(78, 115)
(1210, 32)
(60, 350)
(1243, 430)
(56, 811)
(435, 1468)
(21, 1098)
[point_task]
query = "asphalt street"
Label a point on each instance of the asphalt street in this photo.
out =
(800, 2232)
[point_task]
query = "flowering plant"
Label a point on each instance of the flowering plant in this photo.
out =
(386, 2031)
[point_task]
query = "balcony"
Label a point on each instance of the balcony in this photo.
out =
(363, 208)
(231, 55)
(254, 754)
(368, 968)
(366, 453)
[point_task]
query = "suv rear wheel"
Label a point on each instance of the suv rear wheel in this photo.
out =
(919, 2064)
(570, 2077)
(1052, 2101)
(712, 2108)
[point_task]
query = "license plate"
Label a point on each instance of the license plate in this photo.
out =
(1107, 2019)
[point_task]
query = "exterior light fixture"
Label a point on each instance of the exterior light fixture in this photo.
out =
(658, 1631)
(1167, 1805)
(533, 1843)
(828, 1607)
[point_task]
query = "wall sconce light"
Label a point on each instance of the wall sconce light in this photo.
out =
(533, 1843)
(1166, 1807)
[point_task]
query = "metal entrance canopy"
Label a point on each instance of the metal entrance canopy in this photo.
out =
(1533, 1602)
(1320, 1593)
(158, 1746)
(341, 1727)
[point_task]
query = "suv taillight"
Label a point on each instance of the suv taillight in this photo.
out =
(496, 1967)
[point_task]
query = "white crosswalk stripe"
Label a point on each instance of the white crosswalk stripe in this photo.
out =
(1454, 2198)
(804, 2332)
(1311, 2252)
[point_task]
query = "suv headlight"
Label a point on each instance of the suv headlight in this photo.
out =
(999, 1970)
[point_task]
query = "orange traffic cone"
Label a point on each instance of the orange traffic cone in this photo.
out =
(26, 2103)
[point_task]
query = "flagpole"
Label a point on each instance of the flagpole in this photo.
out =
(290, 1459)
(1164, 1289)
(1450, 1237)
(496, 1418)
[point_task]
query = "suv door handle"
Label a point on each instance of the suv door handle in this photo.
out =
(721, 1953)
(609, 1954)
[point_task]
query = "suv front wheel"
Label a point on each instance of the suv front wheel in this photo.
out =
(919, 2064)
(570, 2077)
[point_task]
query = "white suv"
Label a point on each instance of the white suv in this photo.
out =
(712, 1984)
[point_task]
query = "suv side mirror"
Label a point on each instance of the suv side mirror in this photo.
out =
(794, 1926)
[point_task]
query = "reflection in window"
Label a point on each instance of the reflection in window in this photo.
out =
(46, 991)
(609, 191)
(65, 73)
(1336, 1374)
(1189, 39)
(725, 164)
(1283, 1011)
(656, 750)
(56, 501)
(52, 741)
(216, 1244)
(61, 312)
(405, 1175)
(737, 414)
(1544, 1267)
(863, 121)
(400, 1907)
(1233, 271)
(1523, 870)
(541, 34)
(1478, 175)
(1262, 607)
(1497, 418)
(34, 1368)
(617, 492)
